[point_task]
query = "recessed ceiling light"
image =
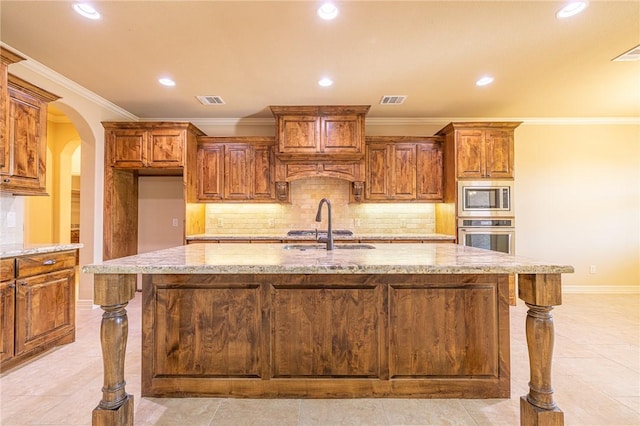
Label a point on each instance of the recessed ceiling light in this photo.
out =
(483, 81)
(632, 54)
(166, 81)
(86, 10)
(328, 11)
(325, 82)
(571, 9)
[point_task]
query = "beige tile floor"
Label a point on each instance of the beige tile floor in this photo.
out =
(596, 377)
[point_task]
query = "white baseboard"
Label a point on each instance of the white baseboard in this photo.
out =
(86, 304)
(603, 289)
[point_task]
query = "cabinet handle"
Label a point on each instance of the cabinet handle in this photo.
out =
(12, 285)
(49, 262)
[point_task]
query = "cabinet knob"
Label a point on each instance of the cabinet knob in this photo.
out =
(23, 283)
(11, 285)
(6, 180)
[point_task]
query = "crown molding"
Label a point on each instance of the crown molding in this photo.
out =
(46, 72)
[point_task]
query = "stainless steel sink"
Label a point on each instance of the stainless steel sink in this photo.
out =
(312, 232)
(324, 247)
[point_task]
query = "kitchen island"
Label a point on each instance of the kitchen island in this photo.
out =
(278, 320)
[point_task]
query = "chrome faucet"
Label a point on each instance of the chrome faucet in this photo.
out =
(329, 239)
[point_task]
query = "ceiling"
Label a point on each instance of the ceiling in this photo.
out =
(259, 53)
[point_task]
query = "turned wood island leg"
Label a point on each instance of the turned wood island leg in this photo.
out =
(113, 292)
(540, 293)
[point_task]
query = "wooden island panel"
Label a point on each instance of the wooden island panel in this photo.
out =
(325, 335)
(325, 332)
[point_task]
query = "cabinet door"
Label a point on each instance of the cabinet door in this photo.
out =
(403, 169)
(238, 177)
(299, 134)
(429, 172)
(128, 148)
(4, 116)
(7, 318)
(499, 154)
(341, 135)
(263, 173)
(210, 172)
(378, 183)
(25, 165)
(470, 154)
(166, 147)
(44, 309)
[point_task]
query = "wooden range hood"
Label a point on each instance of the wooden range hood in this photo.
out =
(320, 141)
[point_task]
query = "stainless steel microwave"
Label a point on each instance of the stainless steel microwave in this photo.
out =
(485, 198)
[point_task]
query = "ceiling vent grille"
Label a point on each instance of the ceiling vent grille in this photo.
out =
(392, 99)
(210, 100)
(630, 55)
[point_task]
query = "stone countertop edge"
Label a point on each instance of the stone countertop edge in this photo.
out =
(11, 250)
(312, 238)
(246, 258)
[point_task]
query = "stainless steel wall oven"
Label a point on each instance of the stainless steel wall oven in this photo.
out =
(496, 234)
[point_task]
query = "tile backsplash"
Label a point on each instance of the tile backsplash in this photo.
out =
(11, 219)
(361, 218)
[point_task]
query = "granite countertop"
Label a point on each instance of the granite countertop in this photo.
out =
(11, 250)
(246, 258)
(336, 237)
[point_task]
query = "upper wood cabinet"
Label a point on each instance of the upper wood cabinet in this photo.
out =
(320, 132)
(6, 58)
(25, 150)
(391, 171)
(154, 144)
(429, 171)
(235, 169)
(403, 169)
(482, 150)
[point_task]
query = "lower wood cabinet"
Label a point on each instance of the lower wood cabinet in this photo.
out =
(7, 308)
(38, 305)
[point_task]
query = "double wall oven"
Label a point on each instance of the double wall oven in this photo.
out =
(485, 215)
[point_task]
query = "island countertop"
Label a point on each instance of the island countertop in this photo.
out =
(243, 258)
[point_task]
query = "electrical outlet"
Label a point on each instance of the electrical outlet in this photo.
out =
(220, 222)
(11, 219)
(174, 222)
(403, 223)
(592, 269)
(357, 222)
(272, 223)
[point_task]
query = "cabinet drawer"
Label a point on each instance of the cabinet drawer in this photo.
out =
(43, 263)
(7, 269)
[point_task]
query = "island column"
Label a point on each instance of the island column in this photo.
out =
(113, 292)
(540, 292)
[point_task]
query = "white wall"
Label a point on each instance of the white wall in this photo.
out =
(160, 201)
(577, 199)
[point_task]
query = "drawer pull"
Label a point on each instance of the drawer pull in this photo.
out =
(49, 262)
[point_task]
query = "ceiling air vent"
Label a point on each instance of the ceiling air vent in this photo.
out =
(392, 99)
(629, 55)
(210, 100)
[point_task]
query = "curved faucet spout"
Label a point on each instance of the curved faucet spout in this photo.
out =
(329, 239)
